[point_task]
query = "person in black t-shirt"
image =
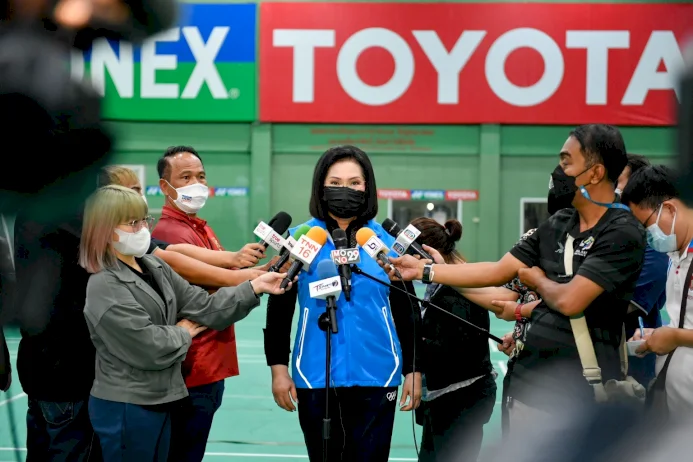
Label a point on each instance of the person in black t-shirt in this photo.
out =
(608, 246)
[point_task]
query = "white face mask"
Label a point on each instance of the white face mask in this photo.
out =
(192, 198)
(144, 198)
(133, 244)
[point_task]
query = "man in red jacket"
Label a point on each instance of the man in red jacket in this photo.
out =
(212, 356)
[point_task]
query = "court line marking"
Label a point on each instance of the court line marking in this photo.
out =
(246, 454)
(14, 398)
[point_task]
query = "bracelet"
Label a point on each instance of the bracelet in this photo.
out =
(518, 311)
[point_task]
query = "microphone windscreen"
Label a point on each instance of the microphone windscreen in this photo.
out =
(326, 269)
(317, 234)
(391, 227)
(339, 238)
(363, 234)
(280, 222)
(303, 229)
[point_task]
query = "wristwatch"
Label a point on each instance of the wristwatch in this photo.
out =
(427, 277)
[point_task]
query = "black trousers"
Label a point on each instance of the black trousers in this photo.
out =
(454, 423)
(362, 420)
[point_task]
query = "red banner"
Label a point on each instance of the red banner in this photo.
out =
(471, 63)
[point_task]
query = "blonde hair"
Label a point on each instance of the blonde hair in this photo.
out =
(115, 174)
(105, 209)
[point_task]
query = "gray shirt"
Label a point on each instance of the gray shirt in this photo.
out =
(139, 349)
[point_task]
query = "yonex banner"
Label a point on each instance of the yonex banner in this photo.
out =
(202, 70)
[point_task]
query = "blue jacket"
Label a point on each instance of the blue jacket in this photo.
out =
(366, 351)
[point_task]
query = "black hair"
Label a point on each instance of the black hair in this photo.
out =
(650, 186)
(636, 162)
(162, 166)
(602, 144)
(318, 205)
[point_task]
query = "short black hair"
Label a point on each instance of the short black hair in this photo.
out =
(650, 186)
(318, 206)
(636, 162)
(602, 144)
(162, 166)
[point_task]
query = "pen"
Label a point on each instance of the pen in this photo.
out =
(642, 328)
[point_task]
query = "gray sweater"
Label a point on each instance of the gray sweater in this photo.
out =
(139, 349)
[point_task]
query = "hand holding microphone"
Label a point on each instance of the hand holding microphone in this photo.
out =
(304, 252)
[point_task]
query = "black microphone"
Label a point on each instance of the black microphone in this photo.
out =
(395, 231)
(279, 224)
(342, 243)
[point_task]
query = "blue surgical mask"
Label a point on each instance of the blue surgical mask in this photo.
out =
(656, 237)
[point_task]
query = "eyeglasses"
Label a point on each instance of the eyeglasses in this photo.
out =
(136, 225)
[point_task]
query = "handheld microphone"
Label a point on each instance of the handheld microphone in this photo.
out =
(289, 244)
(304, 252)
(270, 234)
(372, 245)
(406, 238)
(328, 288)
(343, 253)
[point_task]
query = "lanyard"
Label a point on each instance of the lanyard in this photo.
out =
(610, 205)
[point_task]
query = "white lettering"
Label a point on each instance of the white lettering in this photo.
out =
(661, 47)
(120, 67)
(597, 43)
(448, 65)
(303, 43)
(205, 70)
(375, 95)
(151, 62)
(547, 84)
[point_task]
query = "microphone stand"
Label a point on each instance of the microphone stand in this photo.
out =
(327, 322)
(358, 270)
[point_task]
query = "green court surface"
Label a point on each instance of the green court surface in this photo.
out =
(249, 426)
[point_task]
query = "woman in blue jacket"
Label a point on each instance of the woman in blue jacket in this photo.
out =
(374, 347)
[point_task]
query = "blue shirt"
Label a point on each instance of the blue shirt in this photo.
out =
(649, 297)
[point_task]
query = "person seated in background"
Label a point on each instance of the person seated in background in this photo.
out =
(458, 401)
(142, 317)
(197, 265)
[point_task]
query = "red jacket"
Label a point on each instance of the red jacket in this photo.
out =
(212, 355)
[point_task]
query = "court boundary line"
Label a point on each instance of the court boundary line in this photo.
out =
(14, 398)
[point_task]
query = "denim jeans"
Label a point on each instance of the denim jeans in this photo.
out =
(192, 421)
(60, 431)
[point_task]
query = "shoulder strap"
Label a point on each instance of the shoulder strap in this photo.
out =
(583, 340)
(682, 318)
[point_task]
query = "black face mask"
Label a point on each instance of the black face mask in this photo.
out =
(562, 191)
(344, 202)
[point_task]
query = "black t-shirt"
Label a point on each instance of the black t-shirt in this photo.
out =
(548, 370)
(156, 243)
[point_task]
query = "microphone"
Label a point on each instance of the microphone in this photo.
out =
(328, 288)
(289, 244)
(405, 239)
(304, 252)
(270, 234)
(372, 245)
(343, 257)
